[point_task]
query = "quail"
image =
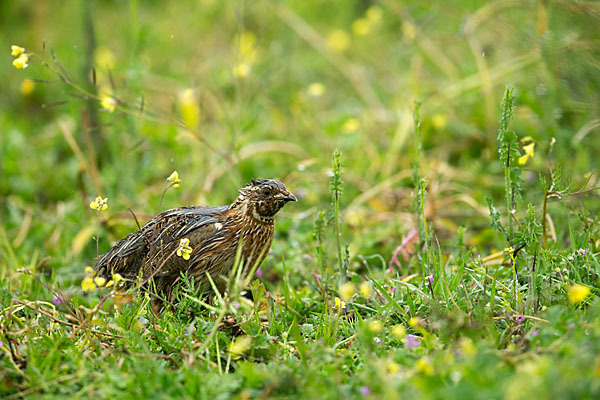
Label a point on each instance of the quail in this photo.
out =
(205, 238)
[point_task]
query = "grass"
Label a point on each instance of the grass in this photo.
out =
(430, 254)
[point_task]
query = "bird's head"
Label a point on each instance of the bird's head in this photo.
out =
(267, 197)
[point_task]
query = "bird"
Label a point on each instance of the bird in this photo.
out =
(198, 241)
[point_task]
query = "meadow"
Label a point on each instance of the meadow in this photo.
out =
(446, 241)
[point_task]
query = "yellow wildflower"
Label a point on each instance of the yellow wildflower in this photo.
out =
(347, 290)
(361, 27)
(375, 326)
(467, 346)
(578, 293)
(89, 270)
(189, 107)
(173, 179)
(523, 159)
(374, 14)
(104, 58)
(392, 367)
(99, 204)
(21, 61)
(365, 289)
(425, 366)
(108, 102)
(316, 89)
(99, 281)
(27, 86)
(339, 303)
(184, 250)
(399, 331)
(439, 121)
(87, 284)
(509, 250)
(529, 151)
(116, 278)
(241, 70)
(338, 40)
(240, 346)
(16, 50)
(414, 321)
(409, 30)
(351, 125)
(247, 47)
(526, 139)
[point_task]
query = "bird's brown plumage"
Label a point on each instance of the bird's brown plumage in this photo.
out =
(214, 234)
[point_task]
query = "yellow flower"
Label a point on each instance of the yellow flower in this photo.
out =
(351, 125)
(241, 70)
(365, 289)
(338, 40)
(529, 151)
(116, 278)
(409, 30)
(374, 14)
(509, 250)
(174, 180)
(347, 291)
(439, 121)
(21, 61)
(108, 102)
(399, 331)
(104, 58)
(467, 346)
(392, 367)
(189, 107)
(89, 270)
(240, 346)
(316, 89)
(361, 27)
(16, 50)
(578, 293)
(99, 204)
(87, 284)
(99, 281)
(526, 139)
(414, 321)
(339, 303)
(27, 86)
(184, 250)
(523, 159)
(375, 326)
(425, 366)
(247, 47)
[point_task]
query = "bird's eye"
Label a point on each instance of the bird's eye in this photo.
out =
(266, 190)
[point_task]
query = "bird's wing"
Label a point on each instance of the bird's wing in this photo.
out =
(193, 223)
(197, 218)
(166, 230)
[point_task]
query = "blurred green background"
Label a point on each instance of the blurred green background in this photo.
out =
(119, 94)
(269, 89)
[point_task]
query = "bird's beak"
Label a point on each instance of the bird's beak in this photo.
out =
(288, 197)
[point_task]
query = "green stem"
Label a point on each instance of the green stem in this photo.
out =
(508, 196)
(338, 239)
(544, 218)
